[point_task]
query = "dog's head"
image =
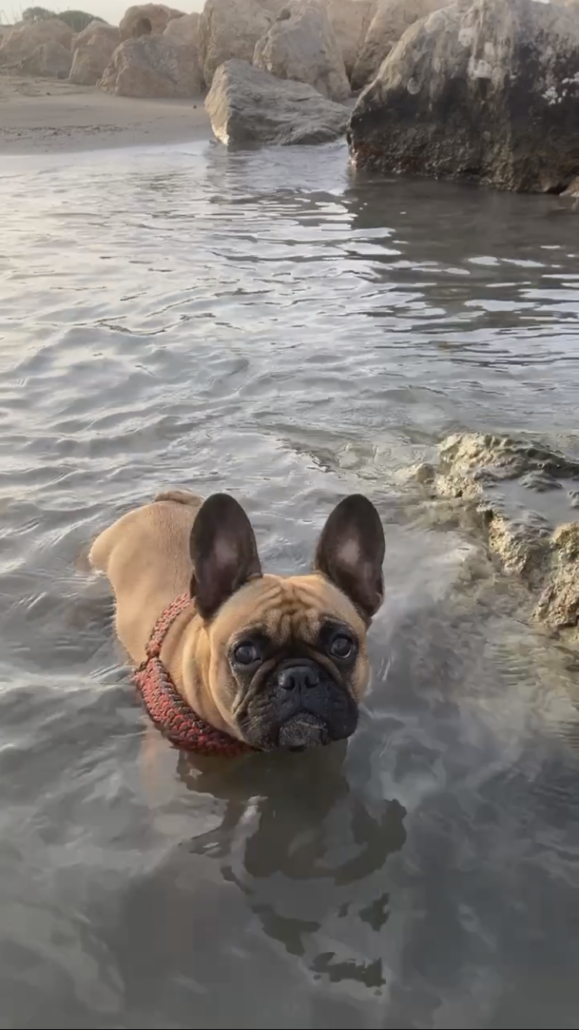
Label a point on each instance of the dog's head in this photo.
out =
(285, 657)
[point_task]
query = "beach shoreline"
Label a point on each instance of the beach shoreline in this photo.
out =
(42, 117)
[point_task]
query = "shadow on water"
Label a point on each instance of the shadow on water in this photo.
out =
(265, 322)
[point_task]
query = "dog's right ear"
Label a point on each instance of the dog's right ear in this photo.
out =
(223, 550)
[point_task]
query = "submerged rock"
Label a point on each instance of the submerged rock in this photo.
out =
(248, 107)
(507, 481)
(486, 93)
(301, 45)
(152, 67)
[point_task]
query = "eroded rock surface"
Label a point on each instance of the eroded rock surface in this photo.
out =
(526, 496)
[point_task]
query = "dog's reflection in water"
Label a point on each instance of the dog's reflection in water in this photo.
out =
(291, 818)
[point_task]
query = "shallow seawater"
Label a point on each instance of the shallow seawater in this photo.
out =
(263, 323)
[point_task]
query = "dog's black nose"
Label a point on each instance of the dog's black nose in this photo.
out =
(299, 677)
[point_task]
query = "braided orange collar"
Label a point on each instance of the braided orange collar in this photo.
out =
(165, 706)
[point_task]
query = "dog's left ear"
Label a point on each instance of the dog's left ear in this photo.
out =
(223, 550)
(350, 553)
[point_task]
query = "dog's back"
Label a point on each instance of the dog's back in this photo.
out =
(145, 556)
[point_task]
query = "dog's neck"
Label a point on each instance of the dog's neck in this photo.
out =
(186, 655)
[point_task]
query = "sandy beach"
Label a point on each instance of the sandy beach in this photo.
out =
(39, 116)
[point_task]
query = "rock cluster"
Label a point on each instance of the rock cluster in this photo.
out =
(483, 91)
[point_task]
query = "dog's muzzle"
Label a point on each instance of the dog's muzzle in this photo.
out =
(312, 709)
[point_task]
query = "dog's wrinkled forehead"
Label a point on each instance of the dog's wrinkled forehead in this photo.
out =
(292, 608)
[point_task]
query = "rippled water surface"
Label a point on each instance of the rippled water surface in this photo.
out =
(264, 324)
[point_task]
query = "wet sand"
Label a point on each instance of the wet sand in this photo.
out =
(40, 116)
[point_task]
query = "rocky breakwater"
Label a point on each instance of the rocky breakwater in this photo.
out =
(524, 498)
(485, 92)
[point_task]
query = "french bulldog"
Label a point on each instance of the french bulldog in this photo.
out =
(272, 661)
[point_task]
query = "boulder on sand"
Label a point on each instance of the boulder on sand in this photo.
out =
(487, 94)
(21, 42)
(248, 107)
(230, 28)
(146, 19)
(100, 29)
(152, 67)
(184, 31)
(388, 25)
(350, 20)
(48, 61)
(93, 49)
(301, 45)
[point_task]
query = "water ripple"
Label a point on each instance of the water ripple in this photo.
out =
(266, 323)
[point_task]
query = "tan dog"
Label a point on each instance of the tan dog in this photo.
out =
(273, 661)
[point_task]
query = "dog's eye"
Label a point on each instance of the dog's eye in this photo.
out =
(342, 646)
(245, 653)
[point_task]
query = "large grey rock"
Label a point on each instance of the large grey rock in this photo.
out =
(389, 23)
(100, 30)
(350, 20)
(152, 67)
(228, 29)
(184, 31)
(525, 496)
(20, 43)
(301, 45)
(487, 93)
(93, 50)
(248, 107)
(49, 61)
